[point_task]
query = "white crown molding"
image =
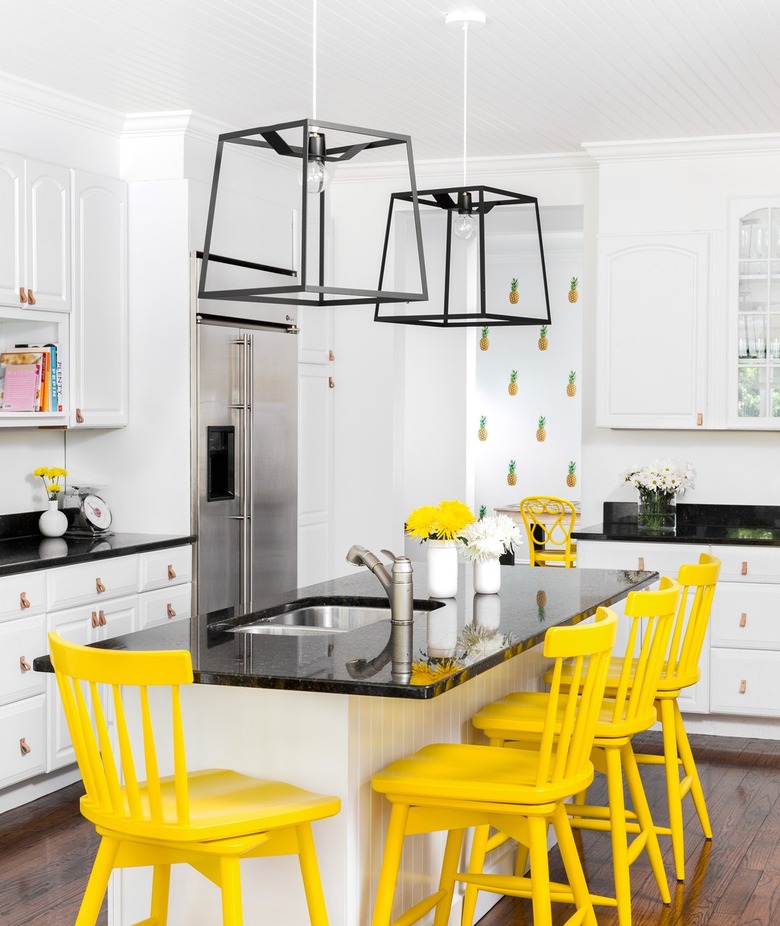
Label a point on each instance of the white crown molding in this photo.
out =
(449, 171)
(177, 122)
(664, 148)
(17, 91)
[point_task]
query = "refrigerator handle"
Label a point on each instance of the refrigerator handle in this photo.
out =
(247, 398)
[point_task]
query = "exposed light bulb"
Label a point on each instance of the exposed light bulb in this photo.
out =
(316, 172)
(463, 226)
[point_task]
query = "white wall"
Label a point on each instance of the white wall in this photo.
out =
(687, 187)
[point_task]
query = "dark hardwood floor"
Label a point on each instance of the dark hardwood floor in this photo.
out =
(46, 851)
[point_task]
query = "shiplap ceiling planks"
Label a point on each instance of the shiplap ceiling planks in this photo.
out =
(544, 75)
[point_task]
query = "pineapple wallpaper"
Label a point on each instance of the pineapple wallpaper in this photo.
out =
(528, 387)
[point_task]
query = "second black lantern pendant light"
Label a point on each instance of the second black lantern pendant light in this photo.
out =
(479, 242)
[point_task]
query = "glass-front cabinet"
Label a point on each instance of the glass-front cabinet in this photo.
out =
(754, 342)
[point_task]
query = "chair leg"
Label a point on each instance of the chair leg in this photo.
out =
(645, 819)
(230, 881)
(540, 871)
(618, 829)
(98, 881)
(310, 871)
(673, 786)
(573, 865)
(697, 792)
(161, 882)
(476, 864)
(391, 862)
(449, 869)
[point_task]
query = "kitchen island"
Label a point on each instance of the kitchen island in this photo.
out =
(291, 706)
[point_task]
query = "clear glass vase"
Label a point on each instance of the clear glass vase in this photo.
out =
(656, 513)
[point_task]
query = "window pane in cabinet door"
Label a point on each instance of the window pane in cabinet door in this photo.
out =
(752, 392)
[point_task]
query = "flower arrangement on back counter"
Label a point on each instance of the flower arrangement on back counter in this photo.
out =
(658, 484)
(445, 521)
(51, 476)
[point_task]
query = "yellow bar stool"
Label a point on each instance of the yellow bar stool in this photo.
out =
(208, 819)
(681, 670)
(450, 787)
(521, 718)
(549, 522)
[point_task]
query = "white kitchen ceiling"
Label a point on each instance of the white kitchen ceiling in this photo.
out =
(544, 75)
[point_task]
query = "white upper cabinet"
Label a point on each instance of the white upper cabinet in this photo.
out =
(652, 331)
(99, 349)
(35, 259)
(754, 314)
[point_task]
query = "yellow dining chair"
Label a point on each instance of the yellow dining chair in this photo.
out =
(208, 819)
(521, 718)
(681, 670)
(549, 522)
(449, 787)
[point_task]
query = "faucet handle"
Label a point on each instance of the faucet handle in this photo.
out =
(391, 556)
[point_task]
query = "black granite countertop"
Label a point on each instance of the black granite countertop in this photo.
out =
(530, 601)
(757, 525)
(23, 549)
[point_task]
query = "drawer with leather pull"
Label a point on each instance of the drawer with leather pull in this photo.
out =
(95, 581)
(748, 563)
(164, 568)
(745, 682)
(20, 642)
(22, 740)
(165, 605)
(22, 595)
(745, 616)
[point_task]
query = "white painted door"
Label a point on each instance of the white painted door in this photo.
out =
(47, 215)
(11, 228)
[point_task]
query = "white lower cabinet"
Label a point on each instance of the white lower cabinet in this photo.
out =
(740, 663)
(22, 739)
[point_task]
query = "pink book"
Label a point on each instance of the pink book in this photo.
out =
(21, 384)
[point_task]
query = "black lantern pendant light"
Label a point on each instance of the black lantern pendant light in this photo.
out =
(269, 231)
(489, 242)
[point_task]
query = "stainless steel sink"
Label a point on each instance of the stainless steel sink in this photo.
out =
(329, 618)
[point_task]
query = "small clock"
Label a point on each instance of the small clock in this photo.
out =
(94, 514)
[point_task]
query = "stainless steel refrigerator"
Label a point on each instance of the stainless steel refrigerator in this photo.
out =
(246, 460)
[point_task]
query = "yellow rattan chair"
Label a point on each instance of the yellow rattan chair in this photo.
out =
(681, 670)
(521, 718)
(208, 819)
(449, 787)
(549, 522)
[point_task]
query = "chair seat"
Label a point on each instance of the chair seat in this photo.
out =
(474, 774)
(525, 712)
(223, 805)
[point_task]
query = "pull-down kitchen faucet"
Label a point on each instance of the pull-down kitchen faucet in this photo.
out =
(398, 584)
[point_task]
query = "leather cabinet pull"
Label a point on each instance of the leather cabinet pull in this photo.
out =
(22, 295)
(102, 618)
(99, 586)
(30, 297)
(95, 621)
(24, 601)
(171, 572)
(699, 420)
(743, 686)
(26, 750)
(24, 665)
(743, 619)
(79, 416)
(170, 609)
(744, 567)
(641, 564)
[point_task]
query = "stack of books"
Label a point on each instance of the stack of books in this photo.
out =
(31, 379)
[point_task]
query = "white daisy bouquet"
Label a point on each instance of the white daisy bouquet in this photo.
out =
(664, 477)
(490, 537)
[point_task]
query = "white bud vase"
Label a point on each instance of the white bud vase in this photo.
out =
(53, 522)
(487, 576)
(442, 568)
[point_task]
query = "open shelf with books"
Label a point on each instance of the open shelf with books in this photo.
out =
(33, 368)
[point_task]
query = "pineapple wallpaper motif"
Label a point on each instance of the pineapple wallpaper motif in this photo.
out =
(527, 383)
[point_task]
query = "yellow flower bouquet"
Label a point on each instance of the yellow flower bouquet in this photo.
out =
(51, 476)
(444, 521)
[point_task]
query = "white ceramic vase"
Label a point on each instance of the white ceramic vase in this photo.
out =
(53, 522)
(487, 576)
(442, 568)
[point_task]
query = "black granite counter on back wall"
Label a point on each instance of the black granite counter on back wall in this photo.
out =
(531, 600)
(757, 525)
(24, 549)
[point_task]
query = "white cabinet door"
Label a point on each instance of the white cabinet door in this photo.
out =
(11, 228)
(652, 333)
(20, 642)
(47, 214)
(22, 740)
(100, 324)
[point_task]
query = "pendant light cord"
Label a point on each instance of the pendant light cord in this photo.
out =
(314, 60)
(465, 92)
